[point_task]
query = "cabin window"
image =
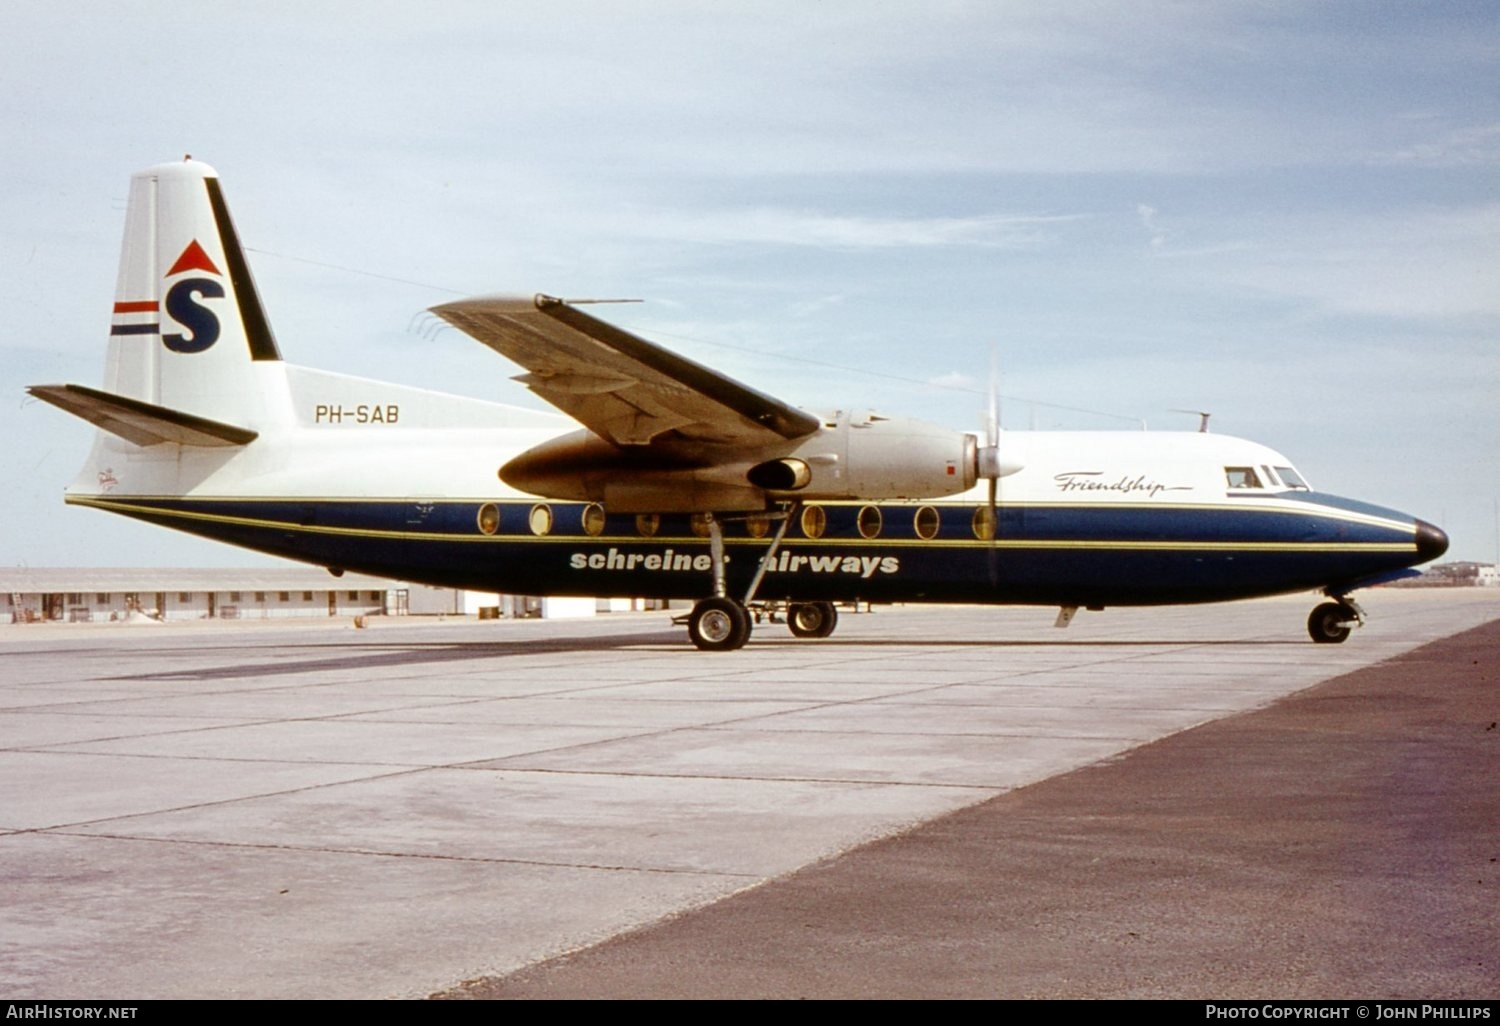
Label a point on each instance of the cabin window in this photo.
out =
(593, 520)
(699, 522)
(984, 523)
(927, 523)
(758, 525)
(1270, 475)
(1242, 477)
(647, 524)
(814, 521)
(1293, 479)
(869, 522)
(540, 519)
(488, 518)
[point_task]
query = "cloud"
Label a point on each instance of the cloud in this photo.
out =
(1469, 146)
(1148, 219)
(783, 227)
(955, 381)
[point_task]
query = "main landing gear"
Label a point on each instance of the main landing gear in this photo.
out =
(722, 624)
(812, 619)
(719, 624)
(1331, 622)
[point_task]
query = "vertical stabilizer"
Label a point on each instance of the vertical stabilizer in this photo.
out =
(187, 326)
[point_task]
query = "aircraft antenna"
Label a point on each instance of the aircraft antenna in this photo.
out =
(1202, 416)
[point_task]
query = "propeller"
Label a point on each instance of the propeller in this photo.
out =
(987, 462)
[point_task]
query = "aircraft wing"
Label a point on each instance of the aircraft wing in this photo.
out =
(623, 388)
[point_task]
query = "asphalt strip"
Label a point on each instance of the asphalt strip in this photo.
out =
(1343, 841)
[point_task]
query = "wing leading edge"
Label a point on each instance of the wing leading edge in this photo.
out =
(621, 387)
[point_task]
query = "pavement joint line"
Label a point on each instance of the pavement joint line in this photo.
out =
(920, 733)
(376, 853)
(994, 789)
(258, 796)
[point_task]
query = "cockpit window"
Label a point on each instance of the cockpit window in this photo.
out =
(1242, 477)
(1293, 479)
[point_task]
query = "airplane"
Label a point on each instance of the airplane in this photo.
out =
(661, 477)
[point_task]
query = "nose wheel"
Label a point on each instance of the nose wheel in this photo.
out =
(1330, 622)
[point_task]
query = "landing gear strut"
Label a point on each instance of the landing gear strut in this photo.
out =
(1330, 622)
(720, 623)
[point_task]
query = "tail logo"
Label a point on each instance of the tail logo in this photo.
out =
(184, 302)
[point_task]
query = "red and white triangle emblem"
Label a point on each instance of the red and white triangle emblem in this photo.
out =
(194, 259)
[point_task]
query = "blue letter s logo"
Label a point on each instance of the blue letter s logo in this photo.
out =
(201, 322)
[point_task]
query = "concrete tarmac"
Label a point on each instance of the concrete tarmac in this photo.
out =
(306, 811)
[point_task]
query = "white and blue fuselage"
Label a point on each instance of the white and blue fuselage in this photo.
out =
(684, 481)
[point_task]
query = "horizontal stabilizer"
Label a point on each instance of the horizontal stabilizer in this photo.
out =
(140, 422)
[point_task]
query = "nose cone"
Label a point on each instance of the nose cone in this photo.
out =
(1432, 542)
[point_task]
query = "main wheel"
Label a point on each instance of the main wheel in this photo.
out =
(1329, 623)
(812, 619)
(719, 625)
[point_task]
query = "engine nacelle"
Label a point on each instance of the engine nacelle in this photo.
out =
(868, 456)
(861, 457)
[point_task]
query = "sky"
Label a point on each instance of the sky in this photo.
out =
(1286, 214)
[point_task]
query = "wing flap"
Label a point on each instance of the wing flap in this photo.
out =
(622, 387)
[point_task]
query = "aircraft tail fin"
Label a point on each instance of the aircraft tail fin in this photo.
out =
(187, 326)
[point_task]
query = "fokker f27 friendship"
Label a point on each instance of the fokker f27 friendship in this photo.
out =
(681, 484)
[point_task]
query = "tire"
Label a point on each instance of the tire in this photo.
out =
(1328, 624)
(719, 625)
(812, 619)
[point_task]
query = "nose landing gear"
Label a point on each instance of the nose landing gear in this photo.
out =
(1331, 622)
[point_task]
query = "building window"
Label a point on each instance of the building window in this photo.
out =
(234, 596)
(260, 596)
(354, 596)
(184, 597)
(283, 596)
(374, 596)
(102, 598)
(307, 596)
